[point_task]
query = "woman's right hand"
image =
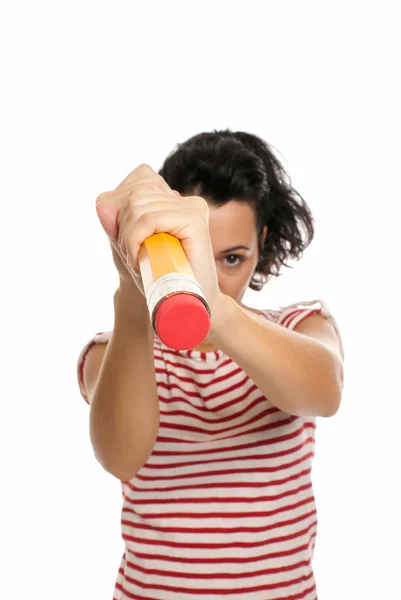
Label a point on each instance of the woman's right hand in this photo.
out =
(108, 207)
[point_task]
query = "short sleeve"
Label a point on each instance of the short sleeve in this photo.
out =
(291, 315)
(99, 338)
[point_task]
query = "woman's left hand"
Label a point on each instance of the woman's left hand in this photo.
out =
(143, 205)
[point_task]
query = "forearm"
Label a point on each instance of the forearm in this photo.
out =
(296, 373)
(124, 414)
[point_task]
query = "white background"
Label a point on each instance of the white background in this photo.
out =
(89, 91)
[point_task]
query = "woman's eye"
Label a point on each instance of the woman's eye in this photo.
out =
(237, 260)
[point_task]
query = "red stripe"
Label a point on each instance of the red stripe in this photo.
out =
(218, 407)
(190, 380)
(214, 530)
(205, 398)
(184, 365)
(281, 453)
(187, 367)
(194, 415)
(226, 484)
(317, 311)
(212, 409)
(261, 428)
(185, 355)
(220, 592)
(219, 546)
(306, 313)
(219, 472)
(299, 596)
(264, 442)
(220, 515)
(181, 426)
(295, 312)
(302, 313)
(218, 394)
(222, 575)
(216, 560)
(178, 427)
(217, 499)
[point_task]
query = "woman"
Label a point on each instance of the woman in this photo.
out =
(213, 446)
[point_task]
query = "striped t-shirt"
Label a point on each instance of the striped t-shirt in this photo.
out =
(224, 506)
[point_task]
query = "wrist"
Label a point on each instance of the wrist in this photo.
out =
(221, 318)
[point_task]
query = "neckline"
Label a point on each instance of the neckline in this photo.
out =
(210, 356)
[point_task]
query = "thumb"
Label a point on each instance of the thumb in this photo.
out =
(108, 214)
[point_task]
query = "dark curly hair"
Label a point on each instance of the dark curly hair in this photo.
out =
(223, 165)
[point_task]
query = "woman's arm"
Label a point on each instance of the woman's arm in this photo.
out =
(124, 406)
(299, 371)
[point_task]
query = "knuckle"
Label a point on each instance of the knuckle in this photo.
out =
(145, 219)
(144, 168)
(131, 212)
(161, 179)
(161, 186)
(202, 204)
(154, 183)
(151, 185)
(103, 196)
(132, 198)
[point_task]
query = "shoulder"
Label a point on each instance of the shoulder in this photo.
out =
(310, 317)
(315, 319)
(323, 330)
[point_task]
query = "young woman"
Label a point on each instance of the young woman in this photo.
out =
(213, 446)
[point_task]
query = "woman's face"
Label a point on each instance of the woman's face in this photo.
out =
(231, 225)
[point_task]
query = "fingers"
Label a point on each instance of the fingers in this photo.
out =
(143, 170)
(143, 190)
(151, 187)
(135, 230)
(156, 182)
(144, 174)
(108, 214)
(143, 181)
(132, 216)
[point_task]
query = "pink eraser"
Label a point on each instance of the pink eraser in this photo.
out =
(182, 321)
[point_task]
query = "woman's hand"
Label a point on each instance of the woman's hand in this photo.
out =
(144, 204)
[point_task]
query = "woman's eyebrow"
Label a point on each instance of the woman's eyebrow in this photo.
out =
(235, 248)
